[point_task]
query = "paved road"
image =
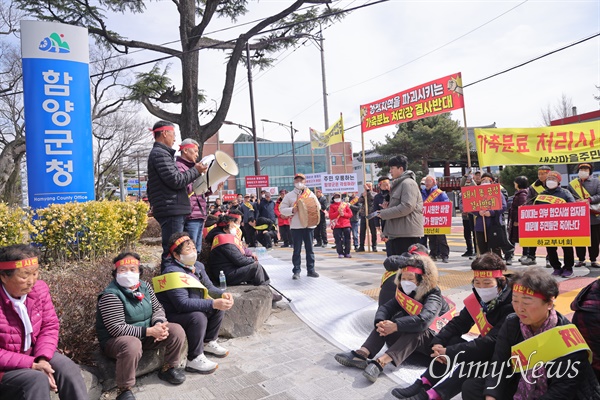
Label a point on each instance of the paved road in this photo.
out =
(287, 360)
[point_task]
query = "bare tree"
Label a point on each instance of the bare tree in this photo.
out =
(154, 89)
(12, 136)
(563, 108)
(116, 125)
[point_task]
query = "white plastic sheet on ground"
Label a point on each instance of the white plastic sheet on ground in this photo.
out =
(343, 316)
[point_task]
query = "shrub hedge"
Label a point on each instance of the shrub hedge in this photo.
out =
(75, 231)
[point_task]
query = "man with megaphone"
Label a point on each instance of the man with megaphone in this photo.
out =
(167, 186)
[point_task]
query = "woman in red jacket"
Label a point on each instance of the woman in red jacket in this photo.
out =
(29, 363)
(340, 214)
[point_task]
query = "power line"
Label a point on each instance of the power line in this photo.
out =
(432, 51)
(290, 25)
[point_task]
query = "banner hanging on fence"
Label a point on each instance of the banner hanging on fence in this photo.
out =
(560, 144)
(437, 218)
(432, 98)
(482, 197)
(555, 225)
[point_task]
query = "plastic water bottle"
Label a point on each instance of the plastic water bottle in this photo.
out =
(222, 281)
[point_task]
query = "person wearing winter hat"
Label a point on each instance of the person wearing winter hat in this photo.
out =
(587, 188)
(487, 308)
(403, 323)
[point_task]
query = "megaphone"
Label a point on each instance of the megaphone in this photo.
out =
(220, 167)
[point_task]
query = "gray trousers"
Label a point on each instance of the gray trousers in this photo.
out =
(30, 384)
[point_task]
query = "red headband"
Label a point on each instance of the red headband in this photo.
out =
(528, 292)
(187, 146)
(163, 128)
(178, 242)
(127, 261)
(27, 262)
(223, 223)
(413, 269)
(496, 273)
(236, 216)
(414, 250)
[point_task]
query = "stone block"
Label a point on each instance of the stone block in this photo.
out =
(152, 360)
(251, 308)
(91, 383)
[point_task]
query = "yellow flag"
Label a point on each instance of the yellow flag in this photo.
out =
(334, 134)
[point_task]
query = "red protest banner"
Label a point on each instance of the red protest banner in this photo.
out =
(555, 225)
(437, 218)
(482, 197)
(229, 197)
(257, 181)
(432, 98)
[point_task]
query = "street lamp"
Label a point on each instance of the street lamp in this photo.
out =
(292, 130)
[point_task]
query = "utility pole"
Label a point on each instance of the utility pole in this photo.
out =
(256, 160)
(293, 148)
(325, 107)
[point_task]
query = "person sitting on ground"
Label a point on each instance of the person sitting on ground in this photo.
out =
(130, 319)
(228, 255)
(29, 363)
(548, 363)
(403, 323)
(487, 308)
(340, 214)
(393, 264)
(191, 300)
(265, 231)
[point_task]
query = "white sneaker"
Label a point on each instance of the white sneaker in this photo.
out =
(215, 349)
(201, 365)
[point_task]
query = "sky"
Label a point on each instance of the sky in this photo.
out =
(379, 50)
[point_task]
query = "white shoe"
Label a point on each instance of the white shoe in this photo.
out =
(201, 365)
(523, 259)
(215, 349)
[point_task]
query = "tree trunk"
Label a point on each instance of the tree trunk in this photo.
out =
(189, 123)
(9, 165)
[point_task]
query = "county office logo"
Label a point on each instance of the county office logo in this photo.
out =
(55, 44)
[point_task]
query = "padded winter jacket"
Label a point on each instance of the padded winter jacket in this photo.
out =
(182, 301)
(404, 215)
(44, 338)
(167, 187)
(197, 201)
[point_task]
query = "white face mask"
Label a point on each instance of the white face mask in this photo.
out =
(408, 286)
(486, 183)
(337, 200)
(128, 279)
(487, 294)
(299, 185)
(234, 230)
(551, 184)
(188, 259)
(583, 174)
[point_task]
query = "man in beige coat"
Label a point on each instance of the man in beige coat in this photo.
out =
(403, 215)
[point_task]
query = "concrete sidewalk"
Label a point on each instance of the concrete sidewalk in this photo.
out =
(287, 360)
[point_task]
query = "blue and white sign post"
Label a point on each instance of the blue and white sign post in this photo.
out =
(58, 124)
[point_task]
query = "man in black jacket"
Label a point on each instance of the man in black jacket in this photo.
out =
(167, 187)
(321, 229)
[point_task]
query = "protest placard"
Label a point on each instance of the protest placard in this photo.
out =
(340, 183)
(437, 218)
(555, 225)
(482, 197)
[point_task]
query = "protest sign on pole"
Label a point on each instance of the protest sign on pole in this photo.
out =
(555, 225)
(339, 183)
(482, 197)
(437, 218)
